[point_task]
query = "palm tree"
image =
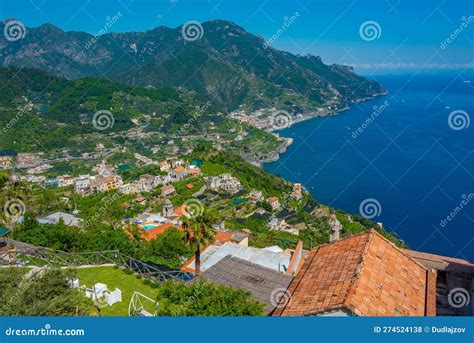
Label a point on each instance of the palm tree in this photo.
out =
(199, 233)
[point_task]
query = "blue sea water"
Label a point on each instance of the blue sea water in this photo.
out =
(408, 158)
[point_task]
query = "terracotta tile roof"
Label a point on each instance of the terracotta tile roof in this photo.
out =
(179, 169)
(223, 237)
(155, 232)
(181, 211)
(364, 274)
(272, 199)
(189, 186)
(185, 267)
(440, 262)
(167, 187)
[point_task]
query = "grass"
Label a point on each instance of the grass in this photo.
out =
(213, 169)
(181, 189)
(117, 278)
(183, 193)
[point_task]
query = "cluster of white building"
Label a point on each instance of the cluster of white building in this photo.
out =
(104, 176)
(87, 184)
(32, 162)
(281, 225)
(28, 178)
(175, 170)
(108, 180)
(225, 182)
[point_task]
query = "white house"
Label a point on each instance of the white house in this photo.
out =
(274, 202)
(167, 190)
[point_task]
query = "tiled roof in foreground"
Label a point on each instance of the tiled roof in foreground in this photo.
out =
(442, 263)
(365, 275)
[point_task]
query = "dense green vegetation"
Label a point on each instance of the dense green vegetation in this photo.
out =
(168, 249)
(64, 110)
(40, 294)
(204, 298)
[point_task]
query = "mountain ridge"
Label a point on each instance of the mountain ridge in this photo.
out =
(227, 65)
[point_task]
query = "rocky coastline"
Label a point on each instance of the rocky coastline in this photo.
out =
(275, 155)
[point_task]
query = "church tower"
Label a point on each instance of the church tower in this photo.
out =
(168, 208)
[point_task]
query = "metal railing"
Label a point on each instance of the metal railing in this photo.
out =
(59, 259)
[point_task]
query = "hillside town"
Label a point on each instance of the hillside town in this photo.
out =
(236, 171)
(156, 203)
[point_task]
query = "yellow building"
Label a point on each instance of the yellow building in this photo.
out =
(5, 161)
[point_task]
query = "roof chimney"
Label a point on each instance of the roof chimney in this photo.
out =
(295, 259)
(335, 227)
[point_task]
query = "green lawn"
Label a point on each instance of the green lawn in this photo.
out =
(181, 189)
(183, 193)
(117, 278)
(213, 169)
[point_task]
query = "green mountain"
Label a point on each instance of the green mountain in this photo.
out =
(42, 112)
(227, 65)
(39, 111)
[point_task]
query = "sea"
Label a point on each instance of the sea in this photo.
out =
(405, 160)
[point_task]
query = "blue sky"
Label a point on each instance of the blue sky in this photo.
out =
(410, 33)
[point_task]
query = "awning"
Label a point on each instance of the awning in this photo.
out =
(4, 231)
